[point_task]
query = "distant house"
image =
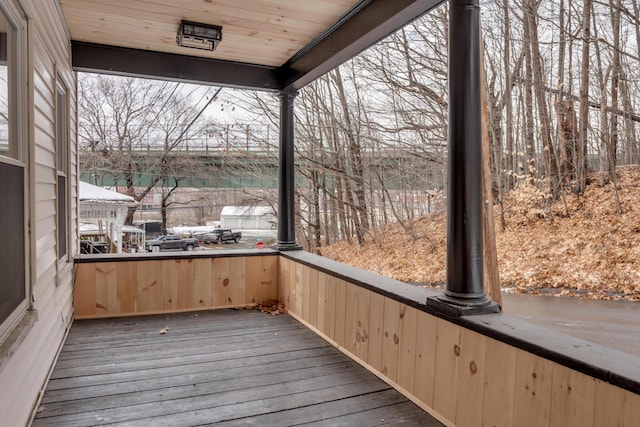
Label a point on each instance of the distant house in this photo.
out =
(248, 217)
(101, 206)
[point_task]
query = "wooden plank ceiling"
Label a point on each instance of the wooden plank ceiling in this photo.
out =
(264, 32)
(266, 44)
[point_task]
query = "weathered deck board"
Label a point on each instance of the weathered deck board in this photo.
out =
(235, 367)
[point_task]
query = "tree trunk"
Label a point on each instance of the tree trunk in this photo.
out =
(615, 84)
(581, 172)
(632, 140)
(509, 165)
(563, 109)
(361, 219)
(548, 150)
(529, 141)
(491, 277)
(605, 135)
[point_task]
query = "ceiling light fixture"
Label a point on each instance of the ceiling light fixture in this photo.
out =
(199, 36)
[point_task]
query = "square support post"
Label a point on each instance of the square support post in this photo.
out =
(286, 176)
(464, 293)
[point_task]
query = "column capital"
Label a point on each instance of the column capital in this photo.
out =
(288, 94)
(464, 3)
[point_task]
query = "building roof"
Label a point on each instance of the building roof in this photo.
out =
(246, 211)
(92, 229)
(92, 193)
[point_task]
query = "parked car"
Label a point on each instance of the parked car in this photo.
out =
(169, 242)
(220, 235)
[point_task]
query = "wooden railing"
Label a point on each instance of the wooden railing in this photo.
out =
(489, 370)
(167, 283)
(457, 371)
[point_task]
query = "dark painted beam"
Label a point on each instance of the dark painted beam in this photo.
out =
(372, 21)
(286, 176)
(166, 66)
(368, 22)
(464, 293)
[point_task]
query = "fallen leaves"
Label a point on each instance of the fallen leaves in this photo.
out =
(581, 246)
(271, 307)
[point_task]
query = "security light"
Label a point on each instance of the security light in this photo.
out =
(199, 36)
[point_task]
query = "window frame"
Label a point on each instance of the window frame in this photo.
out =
(18, 126)
(62, 125)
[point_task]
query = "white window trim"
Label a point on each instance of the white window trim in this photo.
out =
(61, 85)
(19, 126)
(19, 58)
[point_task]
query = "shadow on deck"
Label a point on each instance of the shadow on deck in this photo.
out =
(232, 367)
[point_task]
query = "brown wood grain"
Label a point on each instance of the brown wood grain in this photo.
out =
(350, 318)
(257, 32)
(361, 348)
(202, 277)
(572, 398)
(304, 281)
(313, 297)
(499, 384)
(321, 307)
(457, 374)
(105, 289)
(85, 290)
(126, 287)
(425, 358)
(407, 347)
(471, 368)
(532, 390)
(262, 280)
(340, 311)
(330, 309)
(608, 405)
(237, 281)
(391, 339)
(376, 330)
(221, 282)
(284, 282)
(184, 283)
(447, 358)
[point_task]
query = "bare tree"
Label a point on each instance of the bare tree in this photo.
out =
(128, 129)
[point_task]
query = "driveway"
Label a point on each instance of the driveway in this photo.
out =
(248, 241)
(614, 324)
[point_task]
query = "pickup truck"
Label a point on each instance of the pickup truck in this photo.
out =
(170, 241)
(220, 235)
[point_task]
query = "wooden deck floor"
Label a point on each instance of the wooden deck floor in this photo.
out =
(229, 367)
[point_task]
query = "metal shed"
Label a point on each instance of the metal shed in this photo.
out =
(248, 217)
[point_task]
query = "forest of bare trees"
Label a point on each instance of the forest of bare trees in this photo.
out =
(563, 95)
(119, 118)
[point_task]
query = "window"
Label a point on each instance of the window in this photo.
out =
(4, 87)
(62, 139)
(13, 169)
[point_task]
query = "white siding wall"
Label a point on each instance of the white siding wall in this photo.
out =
(24, 374)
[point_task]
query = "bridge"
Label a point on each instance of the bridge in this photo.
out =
(257, 167)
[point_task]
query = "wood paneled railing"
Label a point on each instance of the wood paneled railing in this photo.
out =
(461, 376)
(489, 370)
(131, 285)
